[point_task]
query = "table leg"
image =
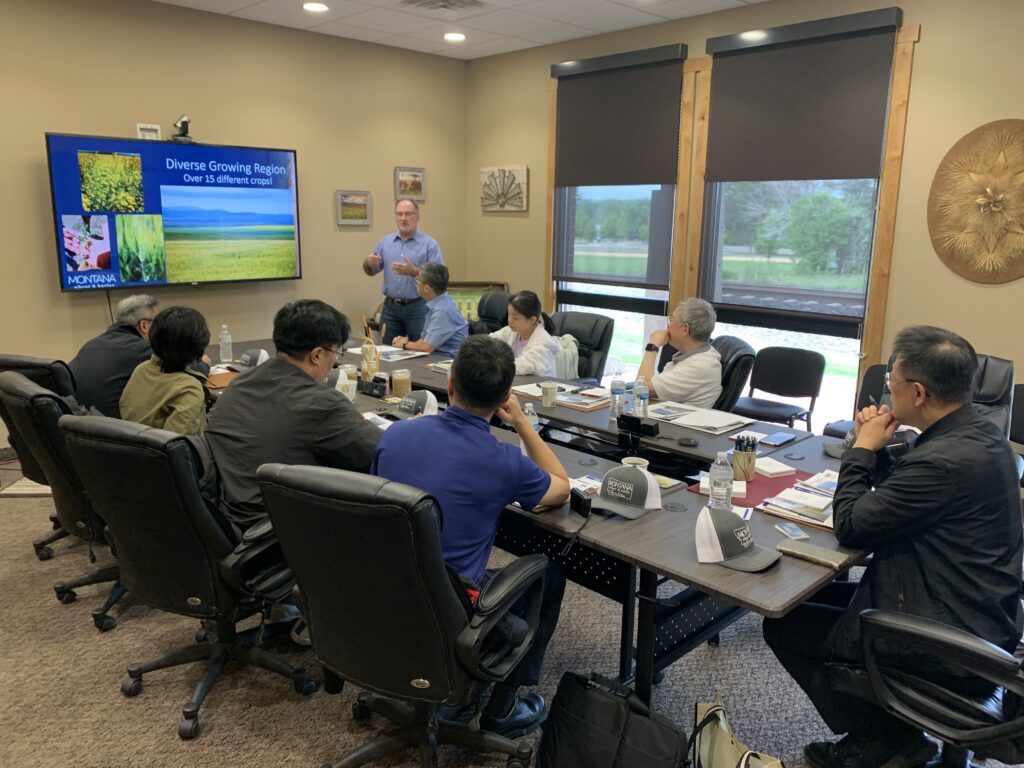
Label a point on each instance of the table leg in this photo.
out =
(645, 636)
(626, 633)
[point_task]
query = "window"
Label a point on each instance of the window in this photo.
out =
(775, 250)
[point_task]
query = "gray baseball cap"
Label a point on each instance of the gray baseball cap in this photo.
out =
(725, 538)
(628, 491)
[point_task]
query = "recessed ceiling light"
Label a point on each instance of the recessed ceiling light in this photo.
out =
(315, 7)
(454, 37)
(754, 35)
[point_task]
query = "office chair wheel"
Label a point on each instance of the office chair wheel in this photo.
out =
(66, 596)
(201, 635)
(188, 728)
(305, 685)
(103, 622)
(522, 758)
(131, 686)
(360, 711)
(44, 553)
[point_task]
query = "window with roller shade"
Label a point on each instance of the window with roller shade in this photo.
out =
(616, 158)
(796, 130)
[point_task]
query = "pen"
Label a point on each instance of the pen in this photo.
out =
(871, 399)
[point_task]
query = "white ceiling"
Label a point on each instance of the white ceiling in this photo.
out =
(491, 26)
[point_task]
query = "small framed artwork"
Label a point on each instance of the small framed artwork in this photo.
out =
(504, 188)
(353, 208)
(410, 183)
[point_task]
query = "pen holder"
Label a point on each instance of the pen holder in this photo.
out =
(743, 463)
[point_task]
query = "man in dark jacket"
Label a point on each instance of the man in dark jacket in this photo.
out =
(944, 524)
(104, 364)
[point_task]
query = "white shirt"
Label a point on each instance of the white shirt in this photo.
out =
(538, 357)
(693, 377)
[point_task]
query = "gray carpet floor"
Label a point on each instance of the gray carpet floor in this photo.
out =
(62, 706)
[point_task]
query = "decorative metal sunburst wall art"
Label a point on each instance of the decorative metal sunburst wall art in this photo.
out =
(976, 204)
(504, 188)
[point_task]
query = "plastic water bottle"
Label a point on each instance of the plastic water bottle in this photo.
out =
(618, 403)
(225, 345)
(640, 397)
(531, 416)
(720, 482)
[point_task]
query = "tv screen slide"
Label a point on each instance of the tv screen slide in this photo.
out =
(129, 212)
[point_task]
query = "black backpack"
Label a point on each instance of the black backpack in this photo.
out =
(596, 722)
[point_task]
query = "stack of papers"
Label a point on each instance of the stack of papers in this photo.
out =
(824, 483)
(739, 487)
(445, 366)
(378, 421)
(770, 467)
(711, 421)
(666, 410)
(800, 506)
(533, 390)
(390, 354)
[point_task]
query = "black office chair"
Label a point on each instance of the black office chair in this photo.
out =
(175, 554)
(56, 376)
(594, 334)
(1017, 427)
(34, 412)
(787, 372)
(993, 391)
(737, 360)
(871, 386)
(385, 612)
(491, 313)
(927, 696)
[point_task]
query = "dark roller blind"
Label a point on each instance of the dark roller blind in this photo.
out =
(808, 110)
(619, 126)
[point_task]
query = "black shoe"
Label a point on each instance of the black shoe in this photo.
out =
(856, 752)
(526, 716)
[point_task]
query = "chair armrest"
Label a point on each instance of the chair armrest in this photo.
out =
(261, 530)
(959, 648)
(256, 570)
(491, 656)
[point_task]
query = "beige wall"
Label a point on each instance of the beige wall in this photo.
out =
(966, 73)
(354, 110)
(351, 110)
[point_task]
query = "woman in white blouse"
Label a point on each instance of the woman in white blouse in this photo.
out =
(529, 334)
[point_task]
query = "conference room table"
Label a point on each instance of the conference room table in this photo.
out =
(628, 560)
(624, 560)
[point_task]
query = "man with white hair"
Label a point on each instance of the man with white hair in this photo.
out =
(694, 376)
(104, 364)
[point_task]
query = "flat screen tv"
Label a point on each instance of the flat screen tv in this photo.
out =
(131, 213)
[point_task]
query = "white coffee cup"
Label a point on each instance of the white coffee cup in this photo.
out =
(635, 461)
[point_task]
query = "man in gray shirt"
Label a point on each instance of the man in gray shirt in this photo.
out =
(281, 411)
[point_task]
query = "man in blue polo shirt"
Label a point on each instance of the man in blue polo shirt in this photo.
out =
(445, 328)
(454, 457)
(400, 256)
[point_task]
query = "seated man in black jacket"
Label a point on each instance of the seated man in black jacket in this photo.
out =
(104, 364)
(944, 523)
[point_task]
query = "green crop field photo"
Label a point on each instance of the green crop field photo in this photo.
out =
(234, 253)
(111, 182)
(140, 248)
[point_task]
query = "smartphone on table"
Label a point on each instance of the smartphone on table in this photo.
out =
(776, 439)
(792, 530)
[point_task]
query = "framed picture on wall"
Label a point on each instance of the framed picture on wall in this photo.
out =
(410, 183)
(504, 188)
(353, 208)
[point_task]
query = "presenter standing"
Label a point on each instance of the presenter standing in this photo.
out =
(401, 255)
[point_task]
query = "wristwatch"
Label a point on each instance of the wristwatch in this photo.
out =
(651, 347)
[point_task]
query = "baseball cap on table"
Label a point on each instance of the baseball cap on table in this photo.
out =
(420, 401)
(628, 491)
(253, 357)
(725, 538)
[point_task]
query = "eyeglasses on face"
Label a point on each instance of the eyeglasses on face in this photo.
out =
(889, 380)
(406, 214)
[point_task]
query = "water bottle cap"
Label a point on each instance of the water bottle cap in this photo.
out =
(723, 455)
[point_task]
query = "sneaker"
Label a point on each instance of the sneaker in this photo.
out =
(300, 633)
(525, 717)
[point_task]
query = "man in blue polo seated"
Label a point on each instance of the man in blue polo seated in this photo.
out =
(445, 328)
(473, 476)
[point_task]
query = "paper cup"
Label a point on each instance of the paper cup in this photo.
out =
(743, 464)
(347, 387)
(549, 393)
